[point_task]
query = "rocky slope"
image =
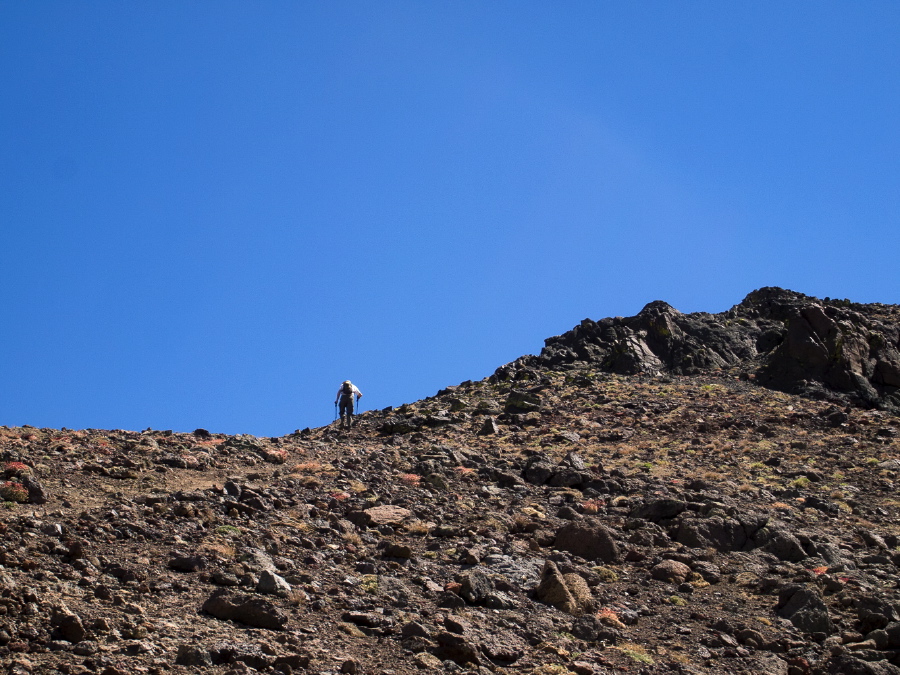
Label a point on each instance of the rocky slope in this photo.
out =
(551, 519)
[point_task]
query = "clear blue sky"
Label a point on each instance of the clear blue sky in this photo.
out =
(212, 213)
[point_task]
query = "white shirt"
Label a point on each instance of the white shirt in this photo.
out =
(353, 392)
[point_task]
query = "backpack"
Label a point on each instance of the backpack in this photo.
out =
(347, 389)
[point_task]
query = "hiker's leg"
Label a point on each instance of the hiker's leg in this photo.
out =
(350, 412)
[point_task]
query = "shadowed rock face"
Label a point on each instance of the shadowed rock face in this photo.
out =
(782, 339)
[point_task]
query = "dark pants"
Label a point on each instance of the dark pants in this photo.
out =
(347, 406)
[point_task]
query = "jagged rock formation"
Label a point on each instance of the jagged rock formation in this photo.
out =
(782, 339)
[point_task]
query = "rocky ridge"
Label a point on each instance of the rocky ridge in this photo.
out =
(553, 518)
(781, 339)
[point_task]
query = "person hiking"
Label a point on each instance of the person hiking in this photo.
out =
(345, 395)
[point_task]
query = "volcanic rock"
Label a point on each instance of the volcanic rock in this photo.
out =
(245, 609)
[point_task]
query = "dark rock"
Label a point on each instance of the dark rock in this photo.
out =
(507, 480)
(793, 342)
(538, 472)
(591, 629)
(572, 459)
(457, 625)
(245, 609)
(489, 427)
(350, 667)
(568, 513)
(803, 606)
(450, 600)
(457, 648)
(188, 563)
(566, 477)
(125, 574)
(723, 534)
(401, 551)
(750, 637)
(659, 509)
(887, 637)
(366, 619)
(781, 543)
(710, 572)
(850, 665)
(414, 629)
(232, 652)
(875, 612)
(589, 539)
(519, 402)
(193, 656)
(871, 539)
(500, 600)
(823, 505)
(68, 627)
(476, 586)
(36, 492)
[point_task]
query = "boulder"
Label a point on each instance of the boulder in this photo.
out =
(240, 652)
(245, 609)
(567, 592)
(846, 664)
(519, 402)
(187, 563)
(553, 590)
(803, 606)
(659, 509)
(476, 587)
(489, 427)
(723, 534)
(590, 629)
(457, 648)
(538, 473)
(68, 626)
(193, 656)
(272, 584)
(670, 570)
(780, 543)
(36, 492)
(380, 515)
(589, 539)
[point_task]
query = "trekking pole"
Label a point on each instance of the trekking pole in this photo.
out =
(335, 412)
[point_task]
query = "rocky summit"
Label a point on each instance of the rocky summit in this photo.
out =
(665, 493)
(781, 339)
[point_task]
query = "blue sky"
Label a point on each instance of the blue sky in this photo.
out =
(212, 213)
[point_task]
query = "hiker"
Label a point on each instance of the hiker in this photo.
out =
(345, 395)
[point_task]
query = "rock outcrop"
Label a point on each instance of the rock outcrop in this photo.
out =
(782, 339)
